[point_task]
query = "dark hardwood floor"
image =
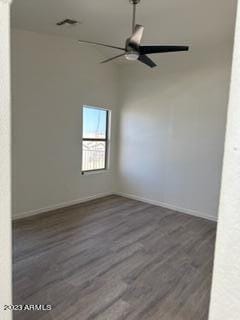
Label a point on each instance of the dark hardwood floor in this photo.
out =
(113, 259)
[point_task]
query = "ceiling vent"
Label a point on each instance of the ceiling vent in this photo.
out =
(67, 22)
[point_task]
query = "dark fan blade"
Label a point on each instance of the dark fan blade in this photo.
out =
(161, 49)
(137, 35)
(113, 58)
(101, 44)
(144, 59)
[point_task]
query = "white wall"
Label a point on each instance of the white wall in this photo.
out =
(52, 78)
(171, 124)
(5, 164)
(172, 129)
(225, 299)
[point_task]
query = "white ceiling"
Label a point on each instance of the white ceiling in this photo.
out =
(198, 22)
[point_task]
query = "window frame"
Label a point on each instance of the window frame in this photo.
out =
(106, 140)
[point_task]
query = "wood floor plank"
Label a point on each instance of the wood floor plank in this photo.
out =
(113, 259)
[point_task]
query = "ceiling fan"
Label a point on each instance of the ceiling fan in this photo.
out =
(133, 49)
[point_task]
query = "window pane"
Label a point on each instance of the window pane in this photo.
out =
(94, 123)
(93, 155)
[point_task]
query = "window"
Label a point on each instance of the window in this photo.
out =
(95, 139)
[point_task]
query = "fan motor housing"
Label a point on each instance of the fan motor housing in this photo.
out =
(134, 1)
(129, 46)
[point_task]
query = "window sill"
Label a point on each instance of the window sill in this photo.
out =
(89, 173)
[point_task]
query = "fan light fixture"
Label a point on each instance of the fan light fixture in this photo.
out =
(132, 56)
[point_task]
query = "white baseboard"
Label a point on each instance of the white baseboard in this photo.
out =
(169, 206)
(126, 195)
(59, 206)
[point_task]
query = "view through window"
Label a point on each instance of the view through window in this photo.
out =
(95, 138)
